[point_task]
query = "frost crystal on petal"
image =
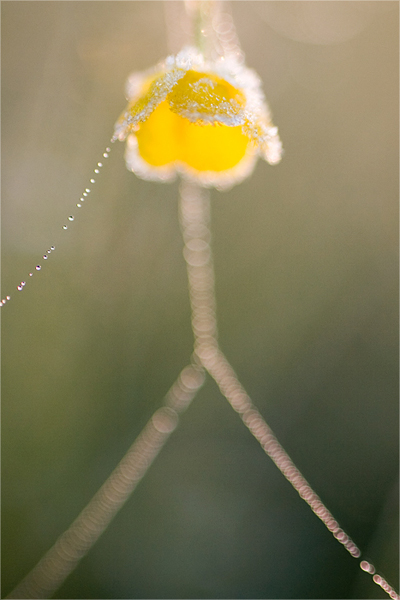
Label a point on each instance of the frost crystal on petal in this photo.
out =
(208, 99)
(172, 108)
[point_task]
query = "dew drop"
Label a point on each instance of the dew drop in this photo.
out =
(92, 181)
(49, 251)
(19, 288)
(45, 256)
(71, 218)
(105, 155)
(8, 297)
(79, 205)
(87, 190)
(52, 247)
(367, 567)
(84, 194)
(100, 164)
(65, 226)
(96, 171)
(38, 267)
(30, 274)
(23, 283)
(108, 149)
(3, 301)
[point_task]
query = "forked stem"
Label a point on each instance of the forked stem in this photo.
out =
(52, 570)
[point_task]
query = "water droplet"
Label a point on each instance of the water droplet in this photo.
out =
(366, 566)
(92, 181)
(19, 288)
(52, 247)
(8, 297)
(30, 274)
(49, 251)
(105, 154)
(108, 149)
(87, 190)
(38, 267)
(45, 256)
(3, 301)
(100, 164)
(71, 218)
(23, 283)
(96, 171)
(65, 226)
(79, 205)
(84, 194)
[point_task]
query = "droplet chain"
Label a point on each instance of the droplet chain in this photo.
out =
(71, 218)
(51, 571)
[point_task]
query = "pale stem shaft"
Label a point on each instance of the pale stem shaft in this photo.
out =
(212, 29)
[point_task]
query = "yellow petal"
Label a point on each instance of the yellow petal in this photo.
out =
(208, 98)
(166, 137)
(154, 91)
(213, 147)
(158, 137)
(208, 121)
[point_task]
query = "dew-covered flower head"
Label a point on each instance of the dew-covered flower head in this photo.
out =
(205, 121)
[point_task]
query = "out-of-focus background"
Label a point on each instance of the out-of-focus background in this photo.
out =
(306, 267)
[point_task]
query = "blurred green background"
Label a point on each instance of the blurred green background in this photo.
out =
(306, 267)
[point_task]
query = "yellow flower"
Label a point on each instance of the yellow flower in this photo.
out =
(206, 121)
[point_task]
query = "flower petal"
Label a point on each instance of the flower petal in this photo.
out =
(208, 121)
(206, 98)
(154, 91)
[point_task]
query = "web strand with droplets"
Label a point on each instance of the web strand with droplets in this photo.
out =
(62, 558)
(70, 548)
(70, 219)
(195, 216)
